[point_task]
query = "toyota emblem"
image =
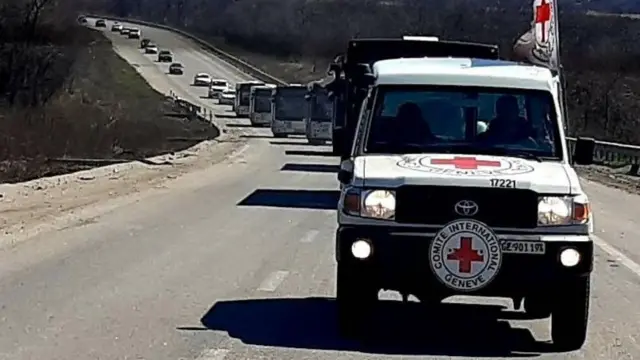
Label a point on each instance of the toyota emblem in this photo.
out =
(466, 208)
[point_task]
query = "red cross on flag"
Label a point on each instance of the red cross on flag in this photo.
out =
(540, 45)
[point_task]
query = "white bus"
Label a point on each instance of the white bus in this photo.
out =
(260, 105)
(243, 100)
(289, 107)
(319, 115)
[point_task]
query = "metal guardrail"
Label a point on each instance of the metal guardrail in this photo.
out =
(605, 153)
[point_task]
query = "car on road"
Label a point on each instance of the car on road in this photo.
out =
(116, 27)
(135, 34)
(216, 87)
(227, 97)
(125, 31)
(202, 79)
(144, 43)
(165, 56)
(151, 49)
(422, 206)
(82, 19)
(101, 23)
(176, 69)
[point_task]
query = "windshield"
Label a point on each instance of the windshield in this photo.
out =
(321, 106)
(290, 103)
(218, 83)
(262, 101)
(419, 119)
(244, 92)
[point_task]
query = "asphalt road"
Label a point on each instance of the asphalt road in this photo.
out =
(236, 262)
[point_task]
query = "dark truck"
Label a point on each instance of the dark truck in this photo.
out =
(350, 84)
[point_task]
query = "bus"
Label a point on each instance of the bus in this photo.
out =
(319, 117)
(243, 92)
(260, 105)
(289, 110)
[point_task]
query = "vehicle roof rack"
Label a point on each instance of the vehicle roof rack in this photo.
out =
(370, 50)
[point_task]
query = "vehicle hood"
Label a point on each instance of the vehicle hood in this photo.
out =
(463, 170)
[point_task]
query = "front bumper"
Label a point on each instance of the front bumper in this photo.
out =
(400, 261)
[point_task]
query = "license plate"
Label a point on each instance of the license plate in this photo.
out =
(523, 247)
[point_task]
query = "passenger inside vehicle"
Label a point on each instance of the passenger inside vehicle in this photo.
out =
(508, 126)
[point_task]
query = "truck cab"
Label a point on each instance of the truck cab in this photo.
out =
(289, 109)
(349, 86)
(260, 105)
(435, 205)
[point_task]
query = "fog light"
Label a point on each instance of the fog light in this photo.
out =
(361, 249)
(569, 257)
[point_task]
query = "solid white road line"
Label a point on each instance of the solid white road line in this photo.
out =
(274, 280)
(617, 255)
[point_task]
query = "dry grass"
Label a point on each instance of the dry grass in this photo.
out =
(104, 110)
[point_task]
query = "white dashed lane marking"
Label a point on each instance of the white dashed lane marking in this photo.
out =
(310, 236)
(274, 280)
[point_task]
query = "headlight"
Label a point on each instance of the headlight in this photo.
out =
(562, 210)
(378, 204)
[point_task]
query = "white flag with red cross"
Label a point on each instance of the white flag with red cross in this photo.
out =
(541, 44)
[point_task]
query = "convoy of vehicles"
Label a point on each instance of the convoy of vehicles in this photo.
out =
(438, 140)
(243, 97)
(319, 114)
(216, 87)
(260, 105)
(288, 109)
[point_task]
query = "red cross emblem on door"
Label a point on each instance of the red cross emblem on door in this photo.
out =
(465, 163)
(466, 255)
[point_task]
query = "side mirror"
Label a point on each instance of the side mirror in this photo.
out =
(368, 79)
(583, 151)
(345, 174)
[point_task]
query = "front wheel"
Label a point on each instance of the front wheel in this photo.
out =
(570, 315)
(356, 298)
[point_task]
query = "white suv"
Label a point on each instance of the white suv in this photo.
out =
(460, 183)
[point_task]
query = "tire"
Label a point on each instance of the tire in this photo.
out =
(279, 136)
(570, 315)
(356, 299)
